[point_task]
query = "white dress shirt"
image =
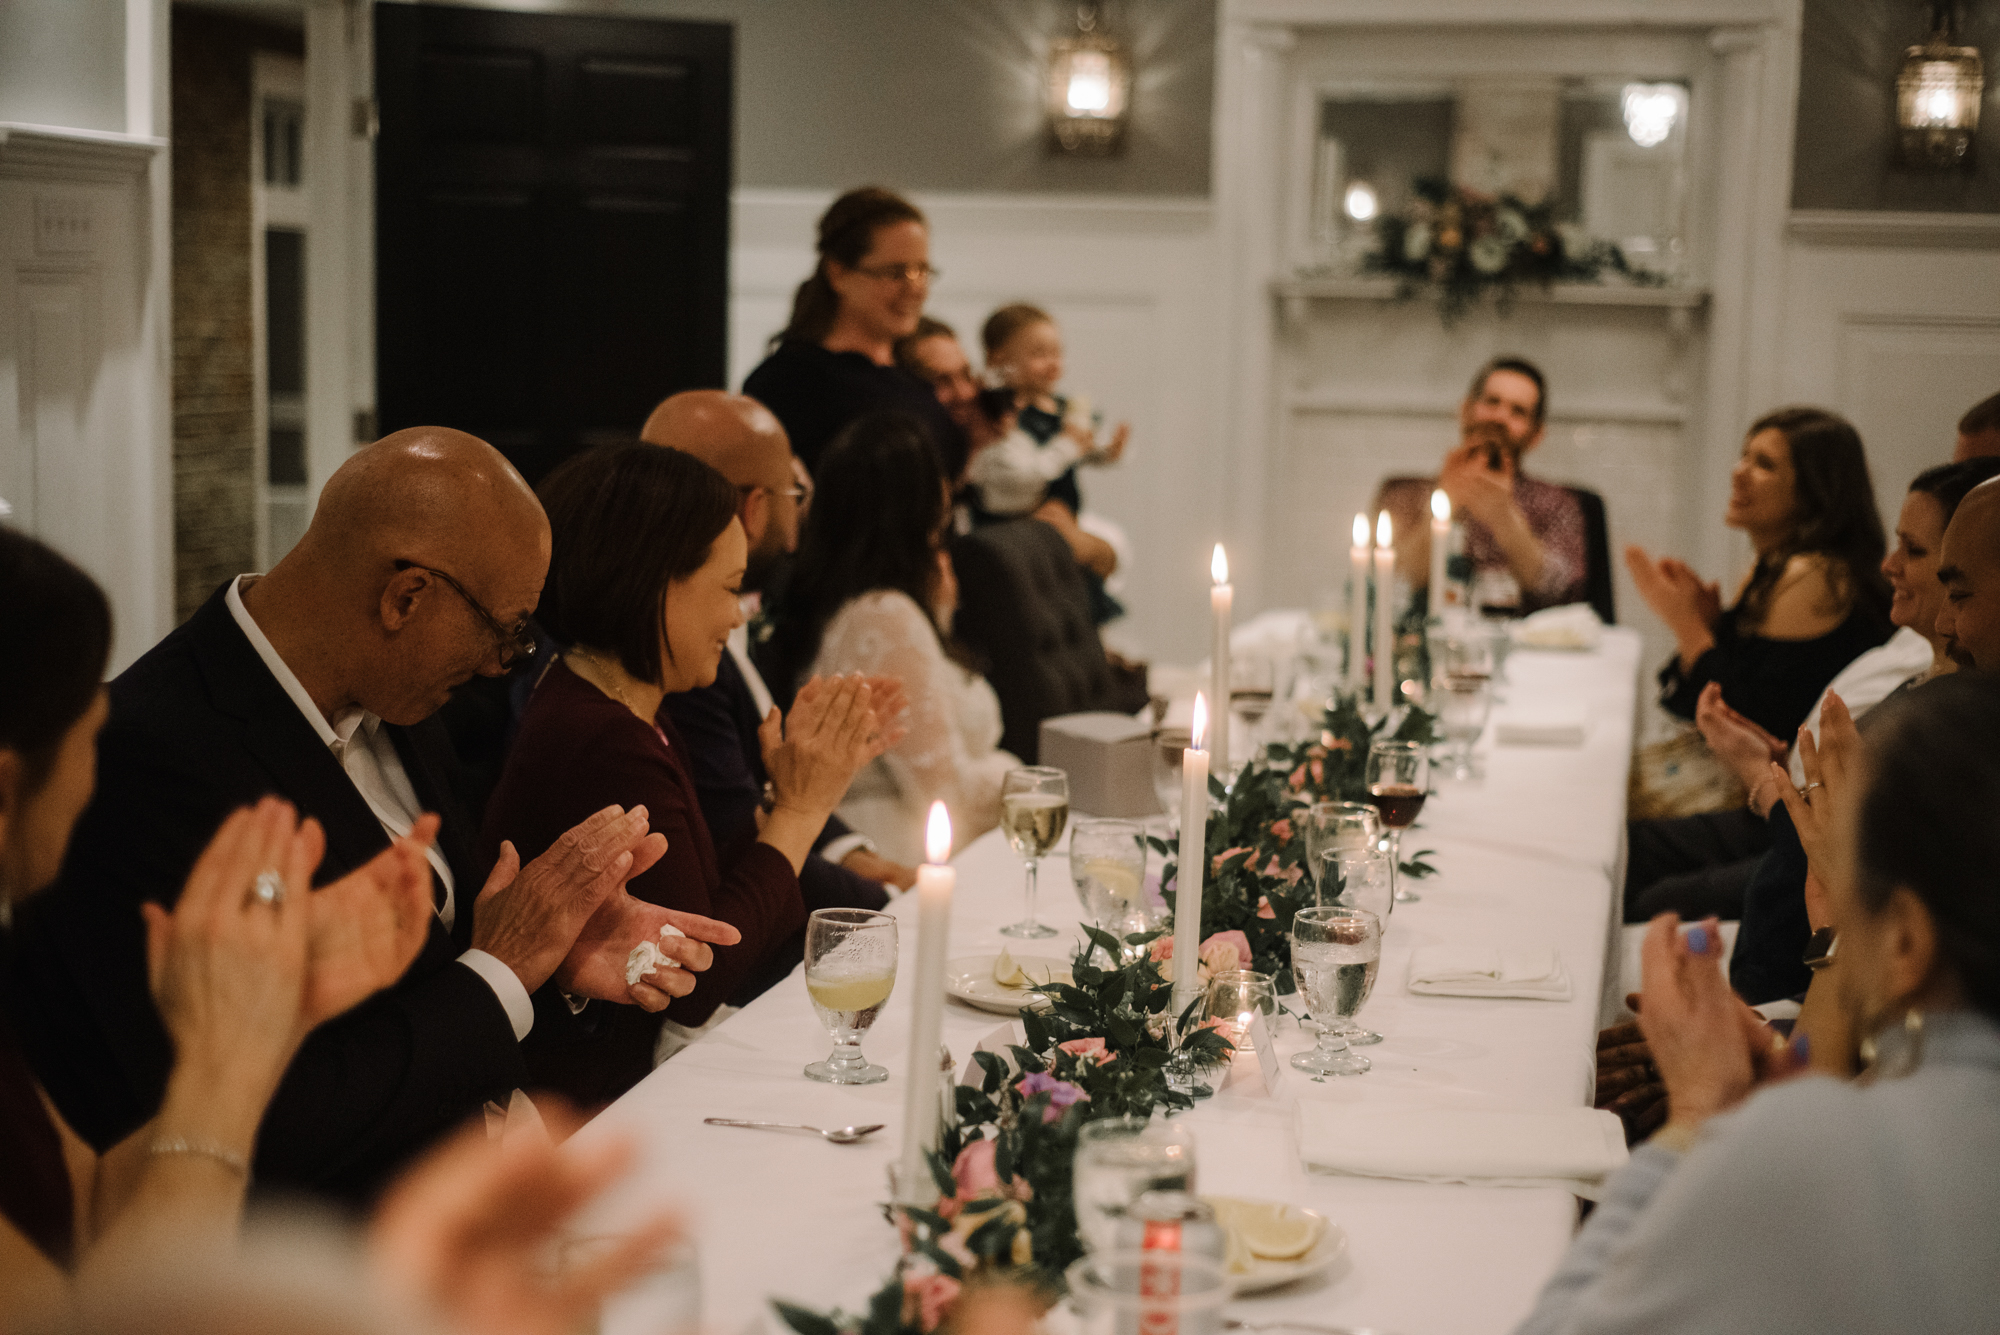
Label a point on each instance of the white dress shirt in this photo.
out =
(1867, 681)
(364, 750)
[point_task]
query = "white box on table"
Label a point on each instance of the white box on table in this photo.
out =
(1109, 760)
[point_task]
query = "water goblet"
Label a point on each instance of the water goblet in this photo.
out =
(1147, 1292)
(1361, 878)
(850, 971)
(1169, 747)
(1107, 863)
(1336, 952)
(1335, 826)
(1034, 809)
(1462, 703)
(1399, 779)
(1120, 1159)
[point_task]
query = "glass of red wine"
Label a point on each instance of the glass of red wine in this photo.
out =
(1399, 779)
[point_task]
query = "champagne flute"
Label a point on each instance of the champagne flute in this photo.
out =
(1034, 808)
(1332, 827)
(1107, 864)
(1399, 779)
(850, 971)
(1336, 952)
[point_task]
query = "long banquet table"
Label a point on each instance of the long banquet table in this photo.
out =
(1527, 853)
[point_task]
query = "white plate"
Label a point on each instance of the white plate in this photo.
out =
(970, 979)
(1265, 1274)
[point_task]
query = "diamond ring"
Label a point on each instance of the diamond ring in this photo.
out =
(268, 889)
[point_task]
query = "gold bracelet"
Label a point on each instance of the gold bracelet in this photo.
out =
(206, 1149)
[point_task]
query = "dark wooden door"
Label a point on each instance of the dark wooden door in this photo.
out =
(552, 222)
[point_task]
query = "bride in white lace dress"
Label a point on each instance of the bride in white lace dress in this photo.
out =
(873, 593)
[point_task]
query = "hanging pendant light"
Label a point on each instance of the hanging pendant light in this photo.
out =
(1937, 96)
(1090, 84)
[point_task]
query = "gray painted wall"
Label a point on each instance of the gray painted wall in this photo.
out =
(944, 94)
(62, 62)
(1845, 147)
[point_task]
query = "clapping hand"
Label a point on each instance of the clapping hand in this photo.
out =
(1627, 1083)
(831, 733)
(1674, 591)
(368, 926)
(1711, 1049)
(1743, 746)
(595, 966)
(1831, 765)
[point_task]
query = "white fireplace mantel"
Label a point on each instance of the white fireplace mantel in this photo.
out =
(1311, 416)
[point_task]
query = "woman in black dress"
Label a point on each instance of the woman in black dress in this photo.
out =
(835, 359)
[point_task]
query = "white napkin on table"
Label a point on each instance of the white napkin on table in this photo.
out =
(1531, 972)
(1573, 626)
(1554, 724)
(1571, 1148)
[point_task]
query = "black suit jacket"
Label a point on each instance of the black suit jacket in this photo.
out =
(719, 725)
(198, 727)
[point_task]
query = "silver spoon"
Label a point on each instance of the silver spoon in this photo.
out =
(840, 1135)
(1259, 1326)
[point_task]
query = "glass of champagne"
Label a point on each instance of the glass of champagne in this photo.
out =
(1107, 863)
(1336, 951)
(1399, 779)
(1120, 1159)
(1334, 827)
(850, 971)
(1034, 808)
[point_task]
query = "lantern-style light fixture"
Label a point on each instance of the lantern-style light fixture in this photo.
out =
(1090, 87)
(1938, 94)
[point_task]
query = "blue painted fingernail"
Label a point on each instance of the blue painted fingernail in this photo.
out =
(1802, 1046)
(1698, 940)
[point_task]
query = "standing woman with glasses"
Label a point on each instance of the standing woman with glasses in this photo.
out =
(835, 358)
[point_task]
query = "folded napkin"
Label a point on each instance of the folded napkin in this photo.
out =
(1573, 626)
(1571, 1148)
(1543, 725)
(1534, 973)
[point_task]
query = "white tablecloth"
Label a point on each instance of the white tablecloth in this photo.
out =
(1527, 852)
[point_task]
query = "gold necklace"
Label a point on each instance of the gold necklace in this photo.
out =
(603, 668)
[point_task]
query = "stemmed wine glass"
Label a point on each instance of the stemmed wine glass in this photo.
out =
(1169, 749)
(1034, 808)
(1399, 779)
(850, 971)
(1360, 878)
(1336, 952)
(1463, 702)
(1333, 827)
(1107, 863)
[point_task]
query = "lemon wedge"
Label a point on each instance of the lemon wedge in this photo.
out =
(1267, 1230)
(1006, 972)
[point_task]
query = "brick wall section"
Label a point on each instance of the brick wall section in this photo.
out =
(214, 446)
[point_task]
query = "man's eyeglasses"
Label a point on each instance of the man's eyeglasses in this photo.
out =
(800, 492)
(900, 273)
(516, 645)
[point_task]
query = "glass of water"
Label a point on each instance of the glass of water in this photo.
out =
(1335, 827)
(1034, 808)
(1107, 863)
(1120, 1159)
(1152, 1292)
(1462, 702)
(1169, 747)
(1336, 952)
(850, 971)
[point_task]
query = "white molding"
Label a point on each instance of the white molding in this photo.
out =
(1909, 231)
(1644, 14)
(49, 152)
(1568, 294)
(1639, 412)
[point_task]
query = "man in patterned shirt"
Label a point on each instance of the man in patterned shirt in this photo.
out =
(1532, 531)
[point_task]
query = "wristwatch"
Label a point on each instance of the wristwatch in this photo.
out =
(1820, 950)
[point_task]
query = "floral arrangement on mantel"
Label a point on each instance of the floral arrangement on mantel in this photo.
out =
(1096, 1047)
(1464, 245)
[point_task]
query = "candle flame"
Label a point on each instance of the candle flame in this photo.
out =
(1384, 535)
(1218, 566)
(1440, 505)
(937, 836)
(1200, 721)
(1361, 530)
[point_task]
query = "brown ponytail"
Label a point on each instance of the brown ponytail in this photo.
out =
(846, 234)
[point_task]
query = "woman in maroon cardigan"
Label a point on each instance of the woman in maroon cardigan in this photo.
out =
(644, 584)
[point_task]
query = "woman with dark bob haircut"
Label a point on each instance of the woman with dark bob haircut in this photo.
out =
(1814, 598)
(644, 582)
(229, 965)
(1810, 1205)
(873, 593)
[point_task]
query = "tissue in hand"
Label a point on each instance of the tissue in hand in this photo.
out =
(646, 956)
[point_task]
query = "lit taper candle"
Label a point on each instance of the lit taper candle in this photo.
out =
(1357, 606)
(920, 1094)
(1385, 613)
(1194, 854)
(1440, 539)
(1220, 598)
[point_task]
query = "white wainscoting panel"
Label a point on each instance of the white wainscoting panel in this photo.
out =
(82, 385)
(1131, 281)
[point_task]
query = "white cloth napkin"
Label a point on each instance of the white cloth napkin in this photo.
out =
(1534, 973)
(1550, 724)
(1571, 1148)
(1573, 626)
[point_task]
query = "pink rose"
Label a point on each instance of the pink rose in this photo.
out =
(1274, 867)
(1087, 1047)
(1319, 771)
(1162, 948)
(1296, 779)
(1281, 830)
(1264, 909)
(974, 1171)
(933, 1295)
(1225, 951)
(1292, 877)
